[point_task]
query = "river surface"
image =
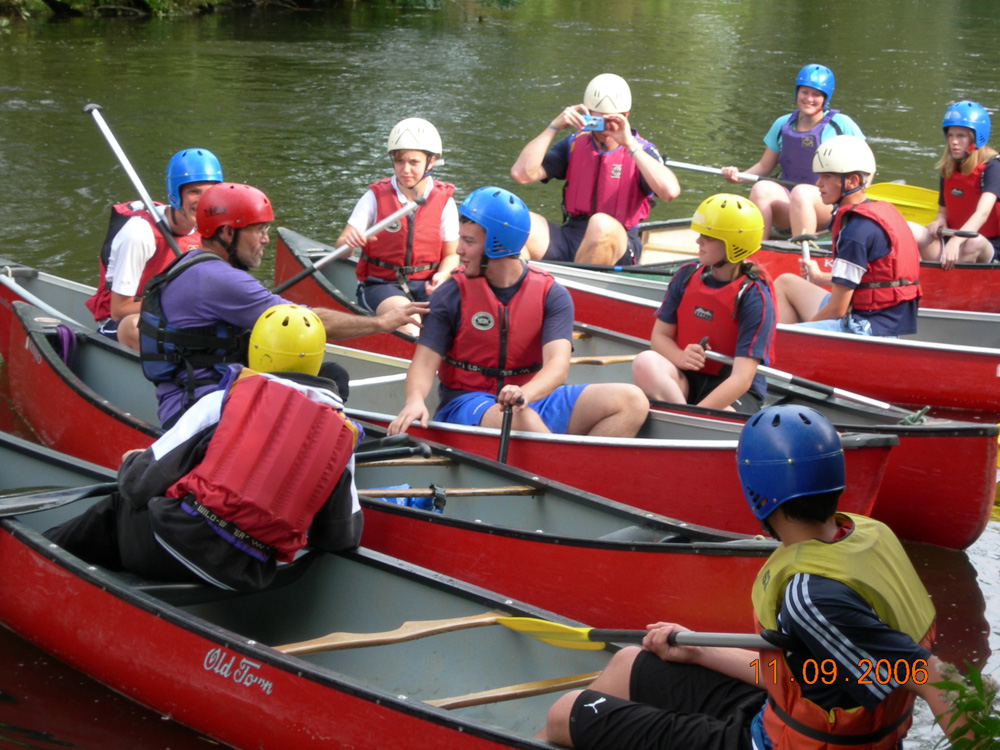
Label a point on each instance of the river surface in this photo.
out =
(299, 103)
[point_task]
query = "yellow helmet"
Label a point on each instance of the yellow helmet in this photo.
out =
(734, 220)
(287, 338)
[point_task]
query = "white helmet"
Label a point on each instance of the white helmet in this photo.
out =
(608, 94)
(845, 154)
(416, 134)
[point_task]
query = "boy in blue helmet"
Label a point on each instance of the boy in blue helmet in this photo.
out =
(840, 588)
(135, 249)
(500, 333)
(790, 144)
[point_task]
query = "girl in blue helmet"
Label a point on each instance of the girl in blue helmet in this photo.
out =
(790, 144)
(970, 186)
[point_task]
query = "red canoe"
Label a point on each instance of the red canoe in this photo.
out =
(669, 476)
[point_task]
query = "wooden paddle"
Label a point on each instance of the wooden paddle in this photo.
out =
(916, 204)
(787, 377)
(744, 176)
(346, 249)
(95, 111)
(602, 359)
(552, 633)
(515, 489)
(513, 692)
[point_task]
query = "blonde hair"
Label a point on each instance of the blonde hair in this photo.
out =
(947, 165)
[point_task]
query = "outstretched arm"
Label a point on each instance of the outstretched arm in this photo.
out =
(528, 167)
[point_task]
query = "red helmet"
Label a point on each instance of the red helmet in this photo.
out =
(232, 205)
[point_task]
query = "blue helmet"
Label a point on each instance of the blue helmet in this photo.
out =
(787, 452)
(817, 77)
(190, 165)
(969, 115)
(504, 217)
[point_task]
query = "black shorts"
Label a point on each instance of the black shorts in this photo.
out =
(701, 384)
(564, 241)
(371, 293)
(675, 706)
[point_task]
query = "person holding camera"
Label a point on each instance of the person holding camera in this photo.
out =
(413, 257)
(611, 176)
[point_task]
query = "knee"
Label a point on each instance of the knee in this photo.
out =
(604, 227)
(557, 720)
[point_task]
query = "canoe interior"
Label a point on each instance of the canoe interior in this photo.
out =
(363, 593)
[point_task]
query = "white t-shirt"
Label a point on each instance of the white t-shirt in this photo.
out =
(365, 212)
(131, 250)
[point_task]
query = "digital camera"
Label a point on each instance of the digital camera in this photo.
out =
(593, 122)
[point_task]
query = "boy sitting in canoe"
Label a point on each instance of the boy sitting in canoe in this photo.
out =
(723, 302)
(135, 249)
(184, 510)
(499, 333)
(412, 258)
(874, 285)
(840, 588)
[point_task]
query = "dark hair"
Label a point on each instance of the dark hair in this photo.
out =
(810, 508)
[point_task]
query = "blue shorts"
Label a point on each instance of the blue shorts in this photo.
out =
(109, 329)
(847, 324)
(371, 294)
(555, 409)
(564, 241)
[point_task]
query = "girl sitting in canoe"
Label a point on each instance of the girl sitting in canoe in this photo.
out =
(970, 185)
(414, 257)
(720, 302)
(791, 143)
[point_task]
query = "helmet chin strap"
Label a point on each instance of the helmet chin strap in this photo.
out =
(230, 248)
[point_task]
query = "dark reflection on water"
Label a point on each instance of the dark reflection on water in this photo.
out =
(300, 103)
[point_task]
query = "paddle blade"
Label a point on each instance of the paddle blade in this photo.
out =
(552, 633)
(916, 204)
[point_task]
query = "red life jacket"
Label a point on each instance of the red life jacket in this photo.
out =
(496, 343)
(100, 303)
(706, 311)
(873, 563)
(411, 247)
(271, 464)
(604, 182)
(961, 196)
(893, 278)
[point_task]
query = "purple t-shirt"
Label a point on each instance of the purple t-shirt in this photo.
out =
(206, 294)
(441, 324)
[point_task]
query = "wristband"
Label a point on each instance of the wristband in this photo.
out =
(553, 127)
(636, 147)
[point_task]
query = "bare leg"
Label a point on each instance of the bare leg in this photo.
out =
(614, 680)
(390, 303)
(806, 210)
(976, 250)
(128, 331)
(609, 409)
(930, 247)
(796, 299)
(523, 420)
(772, 200)
(659, 379)
(604, 242)
(538, 238)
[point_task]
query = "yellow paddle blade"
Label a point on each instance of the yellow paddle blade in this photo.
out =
(552, 633)
(916, 204)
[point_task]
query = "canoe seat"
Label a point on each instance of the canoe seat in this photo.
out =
(181, 594)
(641, 534)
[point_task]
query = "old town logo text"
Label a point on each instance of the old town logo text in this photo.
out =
(242, 673)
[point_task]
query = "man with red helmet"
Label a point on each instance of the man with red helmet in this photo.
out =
(196, 315)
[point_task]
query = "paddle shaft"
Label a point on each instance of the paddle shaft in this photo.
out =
(745, 176)
(684, 638)
(31, 299)
(651, 269)
(787, 377)
(508, 418)
(344, 250)
(95, 111)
